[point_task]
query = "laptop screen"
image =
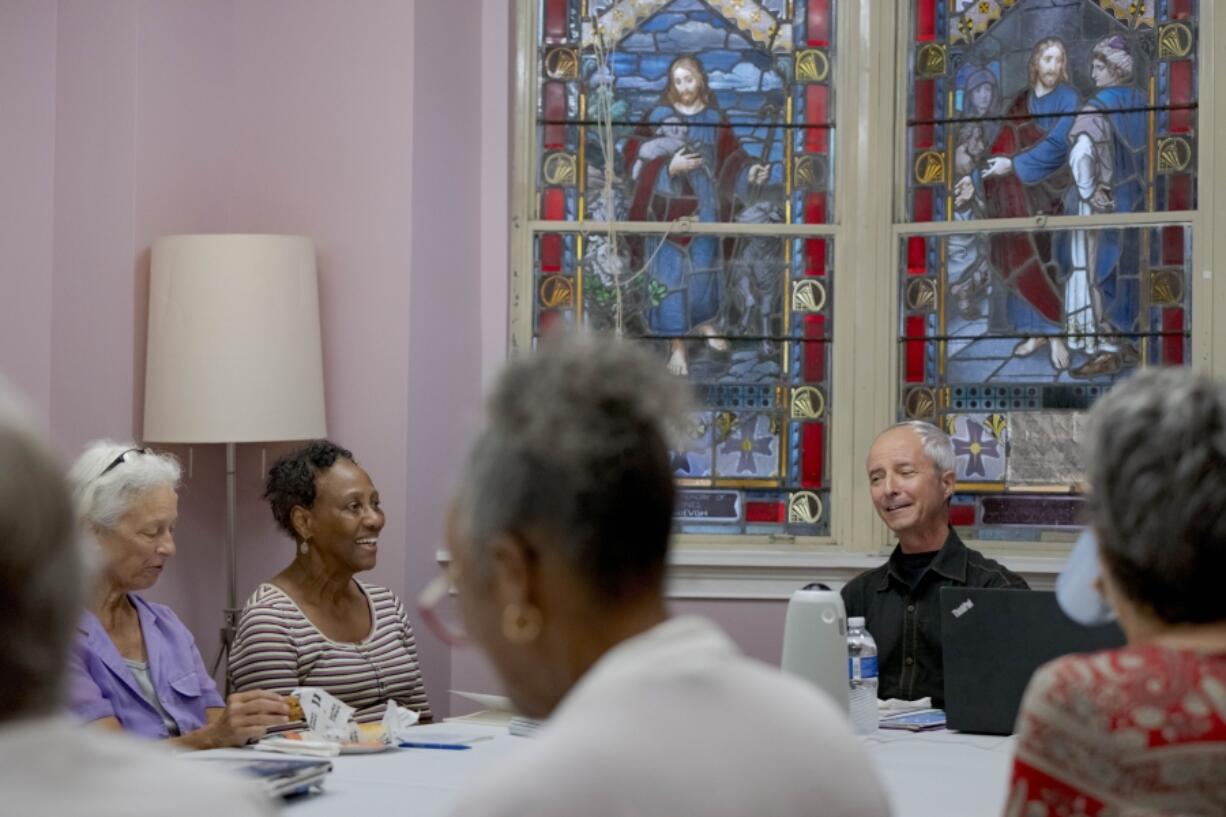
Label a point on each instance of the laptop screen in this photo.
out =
(993, 640)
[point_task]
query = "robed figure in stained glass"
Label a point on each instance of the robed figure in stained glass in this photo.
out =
(691, 165)
(1028, 175)
(968, 267)
(1107, 159)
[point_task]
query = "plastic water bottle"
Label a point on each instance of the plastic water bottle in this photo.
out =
(861, 677)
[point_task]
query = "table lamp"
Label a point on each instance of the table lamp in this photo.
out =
(234, 355)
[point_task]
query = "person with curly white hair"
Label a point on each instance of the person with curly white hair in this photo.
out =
(136, 667)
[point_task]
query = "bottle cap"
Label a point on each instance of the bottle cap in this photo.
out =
(856, 621)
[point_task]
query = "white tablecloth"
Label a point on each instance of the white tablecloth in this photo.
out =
(942, 774)
(931, 774)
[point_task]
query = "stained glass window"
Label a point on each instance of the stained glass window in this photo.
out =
(1008, 332)
(1025, 107)
(677, 141)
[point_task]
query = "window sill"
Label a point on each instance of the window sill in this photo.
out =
(776, 574)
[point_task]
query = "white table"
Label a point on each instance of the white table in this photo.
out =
(930, 774)
(938, 774)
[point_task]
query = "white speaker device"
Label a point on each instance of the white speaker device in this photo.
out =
(815, 640)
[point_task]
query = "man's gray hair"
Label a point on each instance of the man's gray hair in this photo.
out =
(574, 456)
(40, 569)
(936, 443)
(1156, 462)
(101, 499)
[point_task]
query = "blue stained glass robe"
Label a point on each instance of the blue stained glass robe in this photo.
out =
(1035, 136)
(1119, 252)
(690, 267)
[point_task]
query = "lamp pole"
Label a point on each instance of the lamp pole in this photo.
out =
(231, 611)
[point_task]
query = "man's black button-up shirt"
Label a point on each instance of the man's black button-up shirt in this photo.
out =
(905, 621)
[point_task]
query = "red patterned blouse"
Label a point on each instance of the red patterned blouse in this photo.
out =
(1139, 731)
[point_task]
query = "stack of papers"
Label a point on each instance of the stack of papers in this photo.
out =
(918, 721)
(283, 778)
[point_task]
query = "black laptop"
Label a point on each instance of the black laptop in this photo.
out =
(993, 641)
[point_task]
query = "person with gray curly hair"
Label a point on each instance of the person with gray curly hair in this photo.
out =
(49, 767)
(559, 542)
(911, 477)
(136, 666)
(1140, 729)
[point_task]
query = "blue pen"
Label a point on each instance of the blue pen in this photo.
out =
(410, 744)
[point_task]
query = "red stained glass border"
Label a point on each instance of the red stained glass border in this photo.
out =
(553, 108)
(926, 21)
(814, 351)
(914, 348)
(555, 20)
(817, 32)
(1172, 344)
(917, 256)
(817, 100)
(812, 454)
(765, 512)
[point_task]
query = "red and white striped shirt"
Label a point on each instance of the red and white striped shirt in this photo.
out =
(278, 648)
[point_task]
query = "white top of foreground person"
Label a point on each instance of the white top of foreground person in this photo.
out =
(559, 541)
(676, 721)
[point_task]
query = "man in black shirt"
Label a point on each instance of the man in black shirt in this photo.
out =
(911, 478)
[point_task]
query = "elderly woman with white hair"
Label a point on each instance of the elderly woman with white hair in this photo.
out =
(136, 667)
(1140, 730)
(559, 543)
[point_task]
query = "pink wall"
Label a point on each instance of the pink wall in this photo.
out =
(323, 133)
(27, 178)
(93, 317)
(445, 326)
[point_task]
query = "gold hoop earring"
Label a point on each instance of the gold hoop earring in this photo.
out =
(521, 623)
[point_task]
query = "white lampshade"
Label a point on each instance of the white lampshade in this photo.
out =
(234, 350)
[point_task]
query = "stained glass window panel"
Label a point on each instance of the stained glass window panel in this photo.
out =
(1028, 107)
(1007, 338)
(682, 111)
(719, 111)
(1043, 315)
(759, 360)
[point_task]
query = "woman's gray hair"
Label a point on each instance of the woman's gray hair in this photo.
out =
(574, 456)
(1156, 463)
(101, 499)
(40, 570)
(936, 443)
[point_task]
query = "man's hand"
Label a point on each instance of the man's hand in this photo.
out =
(758, 174)
(998, 166)
(684, 161)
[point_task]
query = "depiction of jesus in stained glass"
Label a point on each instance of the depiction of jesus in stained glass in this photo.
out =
(691, 165)
(1028, 175)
